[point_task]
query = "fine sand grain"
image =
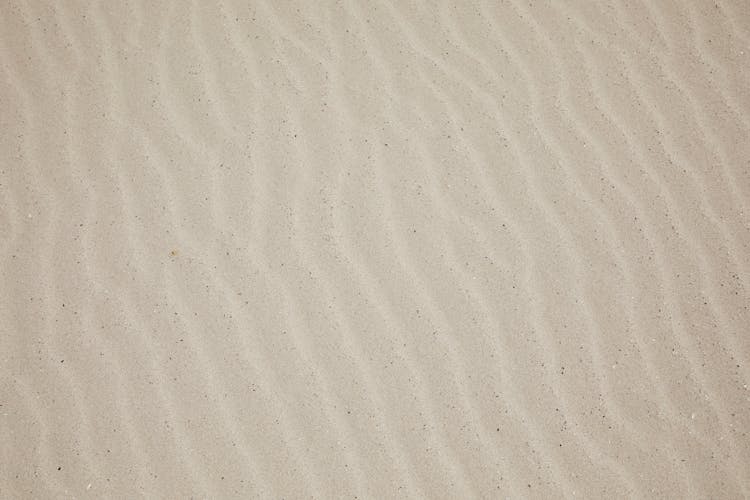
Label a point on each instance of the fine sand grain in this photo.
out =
(374, 249)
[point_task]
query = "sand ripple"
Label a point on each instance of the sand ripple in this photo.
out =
(374, 250)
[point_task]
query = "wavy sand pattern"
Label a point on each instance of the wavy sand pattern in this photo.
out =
(386, 249)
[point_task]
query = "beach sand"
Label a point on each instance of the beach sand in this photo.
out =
(353, 249)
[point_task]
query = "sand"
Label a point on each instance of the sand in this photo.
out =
(353, 249)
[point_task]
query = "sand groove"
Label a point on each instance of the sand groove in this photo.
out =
(412, 249)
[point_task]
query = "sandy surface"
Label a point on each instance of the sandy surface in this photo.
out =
(386, 249)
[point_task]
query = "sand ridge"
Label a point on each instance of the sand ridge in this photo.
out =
(374, 249)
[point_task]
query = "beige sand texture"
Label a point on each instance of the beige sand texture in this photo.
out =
(387, 249)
